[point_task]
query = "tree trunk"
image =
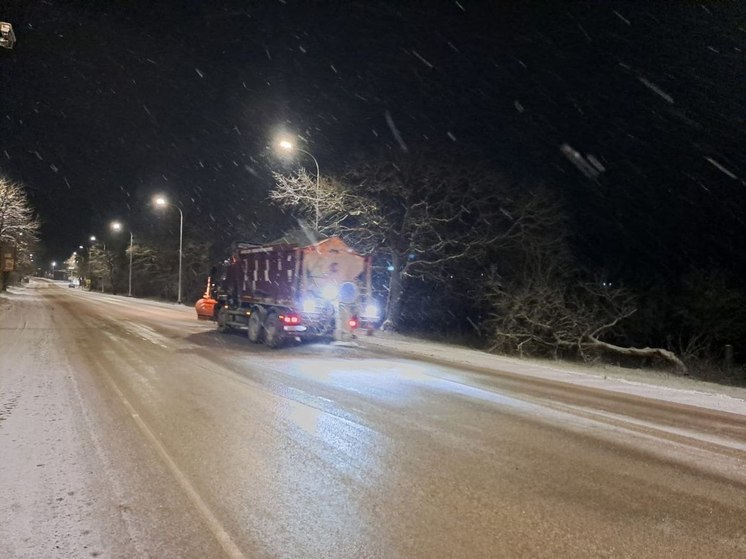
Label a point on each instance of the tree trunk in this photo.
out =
(396, 288)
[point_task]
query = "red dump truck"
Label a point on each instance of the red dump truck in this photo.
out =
(288, 291)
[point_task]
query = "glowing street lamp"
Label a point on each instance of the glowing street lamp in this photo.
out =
(288, 147)
(161, 202)
(117, 226)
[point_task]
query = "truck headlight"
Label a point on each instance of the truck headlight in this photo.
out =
(371, 311)
(330, 292)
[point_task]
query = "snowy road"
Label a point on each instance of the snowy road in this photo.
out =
(130, 429)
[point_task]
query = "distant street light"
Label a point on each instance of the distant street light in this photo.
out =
(116, 226)
(288, 147)
(93, 239)
(161, 202)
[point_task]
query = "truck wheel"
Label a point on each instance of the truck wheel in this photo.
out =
(223, 320)
(255, 328)
(274, 337)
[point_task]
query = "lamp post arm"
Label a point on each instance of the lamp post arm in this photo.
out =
(309, 154)
(181, 241)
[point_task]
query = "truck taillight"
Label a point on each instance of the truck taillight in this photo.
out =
(290, 318)
(353, 322)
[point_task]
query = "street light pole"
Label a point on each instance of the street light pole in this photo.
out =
(181, 238)
(318, 174)
(161, 201)
(104, 258)
(117, 226)
(129, 287)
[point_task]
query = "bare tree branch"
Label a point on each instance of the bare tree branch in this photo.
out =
(423, 214)
(19, 227)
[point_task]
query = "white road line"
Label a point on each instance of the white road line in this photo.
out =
(225, 540)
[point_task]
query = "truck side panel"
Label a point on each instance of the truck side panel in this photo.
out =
(267, 275)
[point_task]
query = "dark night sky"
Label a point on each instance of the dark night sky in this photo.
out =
(104, 103)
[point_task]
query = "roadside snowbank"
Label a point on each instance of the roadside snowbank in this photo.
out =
(645, 383)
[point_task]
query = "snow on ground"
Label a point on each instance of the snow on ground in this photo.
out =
(639, 382)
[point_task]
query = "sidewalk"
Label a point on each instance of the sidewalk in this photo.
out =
(646, 383)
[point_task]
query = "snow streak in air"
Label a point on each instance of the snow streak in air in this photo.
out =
(656, 89)
(723, 169)
(395, 131)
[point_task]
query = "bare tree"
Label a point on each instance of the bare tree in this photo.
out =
(18, 225)
(548, 308)
(100, 266)
(421, 213)
(155, 268)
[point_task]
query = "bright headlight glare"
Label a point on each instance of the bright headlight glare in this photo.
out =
(309, 304)
(371, 310)
(330, 292)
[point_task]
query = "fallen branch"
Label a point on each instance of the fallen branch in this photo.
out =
(666, 355)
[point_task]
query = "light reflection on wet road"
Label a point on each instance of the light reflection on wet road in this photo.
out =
(336, 452)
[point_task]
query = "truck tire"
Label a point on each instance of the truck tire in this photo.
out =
(254, 330)
(222, 320)
(274, 337)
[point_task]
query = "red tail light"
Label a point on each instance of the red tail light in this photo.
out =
(290, 318)
(353, 322)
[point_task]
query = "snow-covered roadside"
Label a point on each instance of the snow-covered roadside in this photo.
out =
(26, 290)
(646, 383)
(49, 490)
(641, 382)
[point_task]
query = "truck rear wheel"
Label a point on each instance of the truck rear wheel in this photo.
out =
(255, 328)
(274, 337)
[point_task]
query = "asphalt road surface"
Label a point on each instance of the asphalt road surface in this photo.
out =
(130, 429)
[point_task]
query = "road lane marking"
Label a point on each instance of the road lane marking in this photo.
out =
(223, 537)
